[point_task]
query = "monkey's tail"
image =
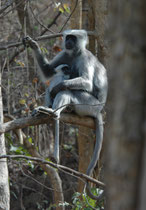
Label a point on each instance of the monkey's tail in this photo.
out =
(56, 142)
(96, 154)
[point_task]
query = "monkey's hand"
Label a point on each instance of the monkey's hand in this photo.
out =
(61, 86)
(29, 42)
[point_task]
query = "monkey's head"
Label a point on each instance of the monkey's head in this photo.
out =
(63, 69)
(75, 40)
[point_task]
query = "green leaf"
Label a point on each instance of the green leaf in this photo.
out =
(30, 140)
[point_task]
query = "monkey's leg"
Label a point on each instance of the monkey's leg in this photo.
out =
(60, 100)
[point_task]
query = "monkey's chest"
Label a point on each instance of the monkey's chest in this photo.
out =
(74, 72)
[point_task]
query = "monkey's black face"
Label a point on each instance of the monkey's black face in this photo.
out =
(70, 42)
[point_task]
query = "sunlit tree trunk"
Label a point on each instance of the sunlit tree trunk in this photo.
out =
(4, 184)
(85, 137)
(85, 142)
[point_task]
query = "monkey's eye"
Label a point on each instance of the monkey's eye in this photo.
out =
(65, 70)
(71, 37)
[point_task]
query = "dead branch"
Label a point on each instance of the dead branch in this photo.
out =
(59, 167)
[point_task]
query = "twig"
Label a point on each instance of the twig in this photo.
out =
(22, 48)
(63, 168)
(69, 16)
(52, 23)
(8, 4)
(39, 22)
(12, 8)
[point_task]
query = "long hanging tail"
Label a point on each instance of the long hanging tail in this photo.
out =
(96, 154)
(56, 142)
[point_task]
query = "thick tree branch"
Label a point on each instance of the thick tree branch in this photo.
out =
(59, 167)
(42, 119)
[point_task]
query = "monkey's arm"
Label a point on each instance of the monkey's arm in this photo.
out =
(47, 69)
(72, 84)
(83, 82)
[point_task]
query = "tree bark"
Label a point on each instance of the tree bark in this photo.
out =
(4, 184)
(85, 142)
(126, 105)
(88, 16)
(85, 137)
(100, 11)
(76, 24)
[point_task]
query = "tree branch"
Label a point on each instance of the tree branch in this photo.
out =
(17, 44)
(52, 23)
(42, 119)
(59, 167)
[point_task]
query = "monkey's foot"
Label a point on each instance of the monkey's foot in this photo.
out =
(44, 110)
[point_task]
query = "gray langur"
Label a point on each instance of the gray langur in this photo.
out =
(86, 89)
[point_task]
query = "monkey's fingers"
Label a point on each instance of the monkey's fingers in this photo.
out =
(29, 42)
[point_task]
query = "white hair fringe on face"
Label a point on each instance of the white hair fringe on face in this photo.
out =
(78, 33)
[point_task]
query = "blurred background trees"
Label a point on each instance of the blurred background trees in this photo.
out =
(119, 42)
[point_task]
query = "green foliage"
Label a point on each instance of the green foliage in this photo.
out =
(36, 28)
(18, 150)
(85, 202)
(44, 50)
(64, 8)
(40, 206)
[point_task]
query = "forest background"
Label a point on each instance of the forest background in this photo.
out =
(117, 37)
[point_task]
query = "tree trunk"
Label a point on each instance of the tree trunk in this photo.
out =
(85, 142)
(4, 184)
(127, 102)
(88, 22)
(85, 150)
(100, 11)
(85, 137)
